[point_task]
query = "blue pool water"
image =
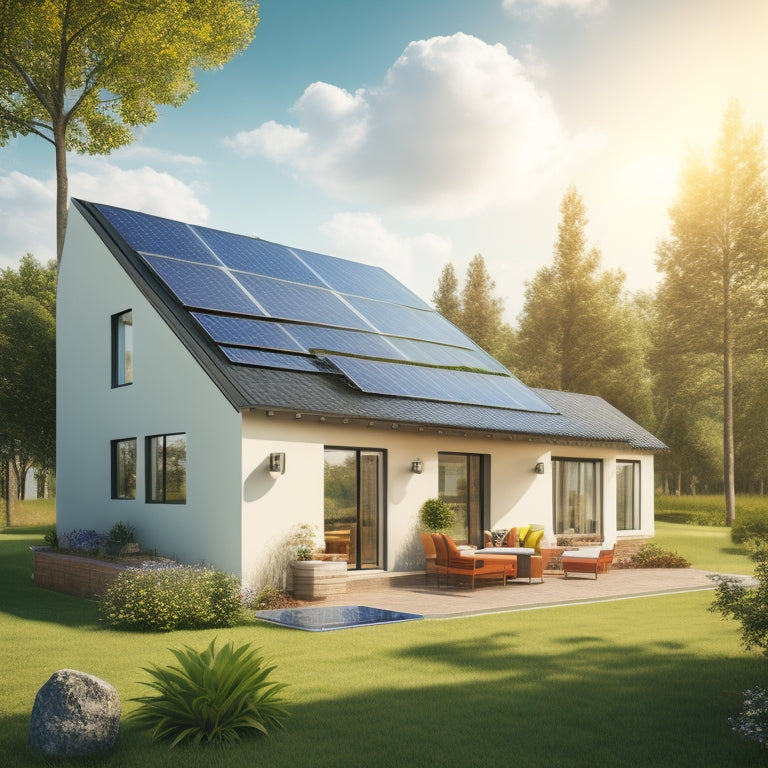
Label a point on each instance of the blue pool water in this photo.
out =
(325, 618)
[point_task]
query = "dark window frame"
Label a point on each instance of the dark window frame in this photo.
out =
(121, 375)
(161, 497)
(637, 519)
(114, 456)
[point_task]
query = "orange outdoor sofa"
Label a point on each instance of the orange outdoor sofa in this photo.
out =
(449, 561)
(592, 560)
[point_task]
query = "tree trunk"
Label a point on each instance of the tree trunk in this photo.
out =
(728, 449)
(12, 489)
(62, 188)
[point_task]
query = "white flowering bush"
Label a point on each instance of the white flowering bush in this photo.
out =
(161, 597)
(752, 721)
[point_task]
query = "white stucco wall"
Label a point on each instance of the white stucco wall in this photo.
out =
(273, 506)
(170, 394)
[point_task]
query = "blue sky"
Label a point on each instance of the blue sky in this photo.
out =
(415, 132)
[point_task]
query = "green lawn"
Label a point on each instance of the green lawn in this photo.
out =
(704, 546)
(644, 682)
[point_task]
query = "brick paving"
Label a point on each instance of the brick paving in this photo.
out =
(415, 594)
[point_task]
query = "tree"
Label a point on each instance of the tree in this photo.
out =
(27, 368)
(712, 297)
(481, 311)
(446, 297)
(475, 310)
(578, 332)
(82, 73)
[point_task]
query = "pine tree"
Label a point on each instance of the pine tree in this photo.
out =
(712, 300)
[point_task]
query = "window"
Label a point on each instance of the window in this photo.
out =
(167, 469)
(124, 469)
(627, 495)
(460, 483)
(577, 489)
(122, 349)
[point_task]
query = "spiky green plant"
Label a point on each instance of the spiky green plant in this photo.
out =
(211, 696)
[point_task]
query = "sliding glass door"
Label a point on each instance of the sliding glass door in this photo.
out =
(354, 503)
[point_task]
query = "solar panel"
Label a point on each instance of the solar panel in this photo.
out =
(203, 287)
(439, 354)
(245, 332)
(292, 301)
(152, 234)
(249, 254)
(346, 342)
(262, 359)
(440, 384)
(406, 321)
(360, 279)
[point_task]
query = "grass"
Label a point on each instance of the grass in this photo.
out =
(644, 682)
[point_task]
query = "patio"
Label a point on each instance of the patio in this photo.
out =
(413, 594)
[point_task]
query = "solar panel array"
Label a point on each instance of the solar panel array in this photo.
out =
(271, 306)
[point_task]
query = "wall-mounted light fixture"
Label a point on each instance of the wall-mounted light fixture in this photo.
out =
(417, 466)
(276, 464)
(539, 468)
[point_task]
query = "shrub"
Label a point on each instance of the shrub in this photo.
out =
(162, 598)
(749, 524)
(83, 540)
(651, 555)
(752, 721)
(211, 696)
(268, 598)
(436, 515)
(748, 605)
(122, 533)
(51, 538)
(691, 510)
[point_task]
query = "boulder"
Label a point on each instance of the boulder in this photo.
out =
(74, 714)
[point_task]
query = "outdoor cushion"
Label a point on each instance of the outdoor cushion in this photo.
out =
(533, 538)
(522, 532)
(512, 539)
(587, 552)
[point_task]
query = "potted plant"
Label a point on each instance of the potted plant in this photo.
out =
(313, 579)
(437, 516)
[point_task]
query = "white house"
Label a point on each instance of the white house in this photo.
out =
(193, 361)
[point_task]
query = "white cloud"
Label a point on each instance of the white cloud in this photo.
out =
(27, 205)
(580, 7)
(456, 127)
(414, 260)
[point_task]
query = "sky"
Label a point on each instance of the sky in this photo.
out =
(413, 133)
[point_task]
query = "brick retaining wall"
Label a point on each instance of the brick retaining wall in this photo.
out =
(72, 575)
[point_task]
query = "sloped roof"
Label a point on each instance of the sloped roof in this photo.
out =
(286, 330)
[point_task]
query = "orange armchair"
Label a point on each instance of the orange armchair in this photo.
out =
(450, 562)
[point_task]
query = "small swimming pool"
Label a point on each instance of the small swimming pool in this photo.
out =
(326, 618)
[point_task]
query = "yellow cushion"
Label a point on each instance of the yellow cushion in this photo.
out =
(522, 532)
(533, 539)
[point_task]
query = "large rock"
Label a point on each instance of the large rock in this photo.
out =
(74, 714)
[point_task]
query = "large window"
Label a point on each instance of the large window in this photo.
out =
(354, 500)
(124, 468)
(122, 349)
(460, 483)
(627, 495)
(167, 469)
(578, 503)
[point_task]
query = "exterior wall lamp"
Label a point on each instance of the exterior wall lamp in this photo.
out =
(417, 466)
(539, 468)
(276, 464)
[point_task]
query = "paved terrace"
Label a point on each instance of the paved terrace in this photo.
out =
(415, 594)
